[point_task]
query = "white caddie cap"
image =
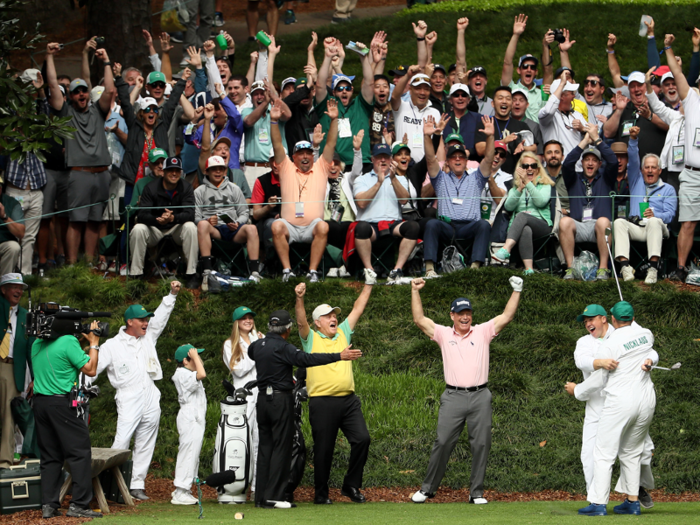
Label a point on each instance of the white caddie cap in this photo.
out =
(636, 76)
(324, 309)
(567, 87)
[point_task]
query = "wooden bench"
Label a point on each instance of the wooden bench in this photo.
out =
(104, 459)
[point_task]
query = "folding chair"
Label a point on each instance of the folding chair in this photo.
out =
(232, 253)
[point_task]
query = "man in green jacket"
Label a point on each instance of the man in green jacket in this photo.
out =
(14, 358)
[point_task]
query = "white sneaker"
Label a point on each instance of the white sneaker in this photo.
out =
(312, 276)
(255, 276)
(181, 497)
(431, 274)
(652, 274)
(478, 501)
(333, 272)
(419, 496)
(279, 504)
(342, 272)
(205, 280)
(370, 276)
(286, 275)
(628, 273)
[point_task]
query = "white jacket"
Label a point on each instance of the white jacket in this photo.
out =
(244, 371)
(675, 135)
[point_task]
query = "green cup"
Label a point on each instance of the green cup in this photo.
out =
(486, 210)
(642, 208)
(263, 38)
(221, 41)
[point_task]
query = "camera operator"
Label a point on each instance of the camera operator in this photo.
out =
(63, 435)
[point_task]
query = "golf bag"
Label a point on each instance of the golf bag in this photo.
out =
(232, 449)
(298, 465)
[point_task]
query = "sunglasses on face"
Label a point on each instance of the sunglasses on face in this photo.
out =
(593, 83)
(529, 66)
(343, 88)
(151, 108)
(460, 95)
(501, 153)
(160, 85)
(529, 166)
(79, 90)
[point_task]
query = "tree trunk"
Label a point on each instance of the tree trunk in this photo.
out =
(121, 23)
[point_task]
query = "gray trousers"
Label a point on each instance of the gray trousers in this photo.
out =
(458, 407)
(197, 36)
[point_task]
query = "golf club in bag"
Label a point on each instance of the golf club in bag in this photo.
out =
(296, 472)
(232, 449)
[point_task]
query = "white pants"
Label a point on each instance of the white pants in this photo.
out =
(138, 417)
(254, 437)
(32, 202)
(9, 256)
(653, 233)
(142, 237)
(190, 425)
(622, 431)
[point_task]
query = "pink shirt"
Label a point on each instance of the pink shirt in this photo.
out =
(465, 359)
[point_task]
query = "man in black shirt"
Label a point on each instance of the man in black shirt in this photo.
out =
(274, 359)
(304, 118)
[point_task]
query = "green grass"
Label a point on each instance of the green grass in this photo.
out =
(400, 377)
(559, 513)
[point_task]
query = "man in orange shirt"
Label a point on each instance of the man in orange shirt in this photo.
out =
(303, 186)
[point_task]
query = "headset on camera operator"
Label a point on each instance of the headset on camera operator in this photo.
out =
(57, 359)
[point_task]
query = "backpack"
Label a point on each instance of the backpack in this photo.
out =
(452, 260)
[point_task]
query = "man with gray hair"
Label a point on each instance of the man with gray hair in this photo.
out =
(652, 208)
(274, 361)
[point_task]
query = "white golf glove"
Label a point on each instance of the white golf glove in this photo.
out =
(516, 283)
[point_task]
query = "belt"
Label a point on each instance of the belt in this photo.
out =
(52, 395)
(8, 360)
(90, 169)
(467, 389)
(691, 168)
(257, 164)
(262, 389)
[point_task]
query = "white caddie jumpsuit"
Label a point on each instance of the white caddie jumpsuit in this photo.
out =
(132, 367)
(243, 373)
(627, 412)
(584, 355)
(191, 421)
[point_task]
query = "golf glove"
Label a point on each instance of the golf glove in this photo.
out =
(516, 283)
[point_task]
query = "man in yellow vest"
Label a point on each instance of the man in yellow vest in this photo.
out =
(333, 404)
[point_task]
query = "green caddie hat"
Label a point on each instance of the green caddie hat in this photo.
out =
(136, 311)
(592, 310)
(155, 154)
(183, 350)
(622, 311)
(241, 311)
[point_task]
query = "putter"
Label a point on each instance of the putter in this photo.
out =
(608, 232)
(674, 367)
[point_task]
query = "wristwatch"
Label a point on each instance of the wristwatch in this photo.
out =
(597, 142)
(93, 347)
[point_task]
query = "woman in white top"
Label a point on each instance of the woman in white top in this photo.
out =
(242, 368)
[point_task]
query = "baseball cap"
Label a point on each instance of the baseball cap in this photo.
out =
(12, 278)
(454, 136)
(439, 67)
(567, 87)
(477, 70)
(96, 93)
(399, 71)
(661, 70)
(147, 101)
(398, 146)
(381, 149)
(222, 140)
(77, 83)
(156, 154)
(214, 161)
(636, 76)
(527, 57)
(452, 68)
(591, 151)
(619, 148)
(255, 86)
(280, 318)
(420, 78)
(455, 149)
(242, 311)
(183, 351)
(666, 75)
(592, 310)
(499, 144)
(172, 163)
(324, 309)
(560, 70)
(460, 304)
(29, 75)
(522, 92)
(155, 76)
(288, 80)
(302, 144)
(301, 81)
(137, 311)
(460, 87)
(622, 311)
(337, 79)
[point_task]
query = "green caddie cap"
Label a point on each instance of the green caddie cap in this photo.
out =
(157, 153)
(183, 350)
(301, 81)
(242, 311)
(454, 136)
(398, 146)
(155, 76)
(592, 310)
(136, 311)
(622, 311)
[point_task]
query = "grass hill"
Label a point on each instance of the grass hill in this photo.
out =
(400, 379)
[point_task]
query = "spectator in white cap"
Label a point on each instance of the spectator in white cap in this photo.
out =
(287, 87)
(462, 120)
(558, 118)
(14, 359)
(410, 114)
(668, 87)
(635, 111)
(221, 213)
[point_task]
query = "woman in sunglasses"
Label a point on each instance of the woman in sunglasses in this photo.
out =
(528, 200)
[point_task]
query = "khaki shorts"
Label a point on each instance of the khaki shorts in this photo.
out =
(689, 201)
(303, 234)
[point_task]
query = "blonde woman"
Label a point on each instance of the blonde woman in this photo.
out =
(242, 368)
(528, 200)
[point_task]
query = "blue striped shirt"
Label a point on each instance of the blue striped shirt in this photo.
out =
(31, 171)
(450, 190)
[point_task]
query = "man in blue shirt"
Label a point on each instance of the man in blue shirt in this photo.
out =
(653, 201)
(379, 195)
(459, 198)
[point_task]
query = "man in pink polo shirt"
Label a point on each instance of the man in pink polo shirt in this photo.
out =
(303, 188)
(465, 357)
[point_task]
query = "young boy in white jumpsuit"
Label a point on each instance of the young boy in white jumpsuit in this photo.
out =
(191, 421)
(627, 413)
(132, 365)
(594, 318)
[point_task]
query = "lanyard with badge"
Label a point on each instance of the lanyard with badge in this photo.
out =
(417, 137)
(299, 205)
(500, 132)
(588, 209)
(678, 151)
(621, 208)
(458, 188)
(344, 128)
